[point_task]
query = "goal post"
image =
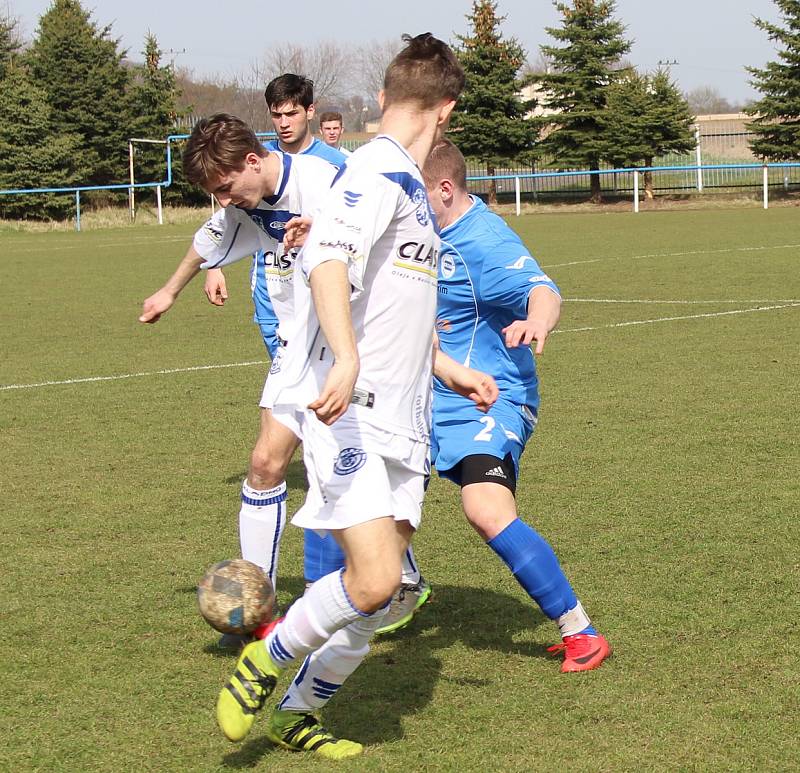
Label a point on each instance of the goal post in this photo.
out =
(131, 194)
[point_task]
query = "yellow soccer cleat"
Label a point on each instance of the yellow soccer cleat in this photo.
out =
(245, 692)
(302, 732)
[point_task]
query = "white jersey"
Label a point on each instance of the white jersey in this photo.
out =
(377, 220)
(234, 233)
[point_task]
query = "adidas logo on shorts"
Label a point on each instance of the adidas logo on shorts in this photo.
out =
(497, 472)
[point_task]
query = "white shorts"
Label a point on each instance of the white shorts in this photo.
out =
(356, 472)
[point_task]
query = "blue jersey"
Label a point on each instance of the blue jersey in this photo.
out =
(265, 314)
(486, 275)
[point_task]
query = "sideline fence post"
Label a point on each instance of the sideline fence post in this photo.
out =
(699, 156)
(766, 187)
(635, 191)
(516, 194)
(131, 194)
(77, 210)
(158, 203)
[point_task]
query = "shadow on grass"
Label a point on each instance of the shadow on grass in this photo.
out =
(400, 682)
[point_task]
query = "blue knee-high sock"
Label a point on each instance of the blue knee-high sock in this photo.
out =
(321, 555)
(535, 567)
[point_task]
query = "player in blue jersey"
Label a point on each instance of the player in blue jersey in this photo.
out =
(494, 302)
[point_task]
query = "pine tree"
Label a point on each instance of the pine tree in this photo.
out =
(489, 120)
(153, 98)
(9, 44)
(776, 116)
(29, 156)
(646, 116)
(80, 68)
(577, 85)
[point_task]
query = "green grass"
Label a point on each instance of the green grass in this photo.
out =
(664, 472)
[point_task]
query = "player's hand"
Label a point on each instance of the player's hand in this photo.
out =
(215, 288)
(156, 305)
(337, 392)
(296, 231)
(522, 332)
(479, 387)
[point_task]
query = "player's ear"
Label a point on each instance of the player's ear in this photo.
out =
(253, 160)
(381, 99)
(446, 187)
(310, 112)
(444, 112)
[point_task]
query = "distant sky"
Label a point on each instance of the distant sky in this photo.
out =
(711, 40)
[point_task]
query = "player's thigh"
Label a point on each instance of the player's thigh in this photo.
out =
(489, 507)
(374, 549)
(275, 440)
(464, 432)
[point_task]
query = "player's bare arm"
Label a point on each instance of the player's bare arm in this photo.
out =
(215, 288)
(544, 311)
(161, 301)
(330, 290)
(473, 384)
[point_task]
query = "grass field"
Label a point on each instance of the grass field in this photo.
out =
(664, 471)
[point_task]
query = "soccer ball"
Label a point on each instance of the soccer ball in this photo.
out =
(235, 596)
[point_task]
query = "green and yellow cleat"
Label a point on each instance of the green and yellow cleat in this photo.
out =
(302, 732)
(404, 606)
(245, 692)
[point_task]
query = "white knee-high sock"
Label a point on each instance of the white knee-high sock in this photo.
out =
(325, 670)
(411, 573)
(261, 521)
(312, 620)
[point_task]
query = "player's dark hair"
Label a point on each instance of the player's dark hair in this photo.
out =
(218, 145)
(425, 72)
(445, 162)
(330, 116)
(288, 87)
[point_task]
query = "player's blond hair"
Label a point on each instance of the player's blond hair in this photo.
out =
(217, 146)
(426, 72)
(445, 162)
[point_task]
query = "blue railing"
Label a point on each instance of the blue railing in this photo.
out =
(517, 177)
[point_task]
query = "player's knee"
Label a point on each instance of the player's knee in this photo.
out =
(266, 471)
(371, 591)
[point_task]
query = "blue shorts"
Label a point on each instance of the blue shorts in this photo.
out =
(461, 430)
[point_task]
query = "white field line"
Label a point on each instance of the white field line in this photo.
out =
(120, 376)
(781, 305)
(679, 303)
(674, 254)
(676, 319)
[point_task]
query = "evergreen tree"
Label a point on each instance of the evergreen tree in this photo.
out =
(153, 99)
(80, 68)
(29, 156)
(776, 116)
(577, 85)
(646, 116)
(489, 119)
(10, 44)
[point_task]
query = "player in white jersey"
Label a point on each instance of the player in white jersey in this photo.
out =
(370, 262)
(259, 191)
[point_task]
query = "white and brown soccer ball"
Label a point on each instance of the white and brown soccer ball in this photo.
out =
(235, 596)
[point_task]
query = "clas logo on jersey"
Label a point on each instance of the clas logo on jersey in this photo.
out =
(418, 257)
(348, 248)
(279, 262)
(351, 198)
(447, 265)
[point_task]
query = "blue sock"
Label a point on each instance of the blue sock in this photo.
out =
(321, 555)
(535, 567)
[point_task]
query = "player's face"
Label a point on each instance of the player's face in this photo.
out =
(291, 124)
(331, 131)
(242, 188)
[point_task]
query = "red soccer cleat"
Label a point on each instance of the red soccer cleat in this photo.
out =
(582, 652)
(265, 629)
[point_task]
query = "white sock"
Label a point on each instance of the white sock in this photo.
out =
(325, 670)
(574, 621)
(261, 521)
(411, 573)
(312, 620)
